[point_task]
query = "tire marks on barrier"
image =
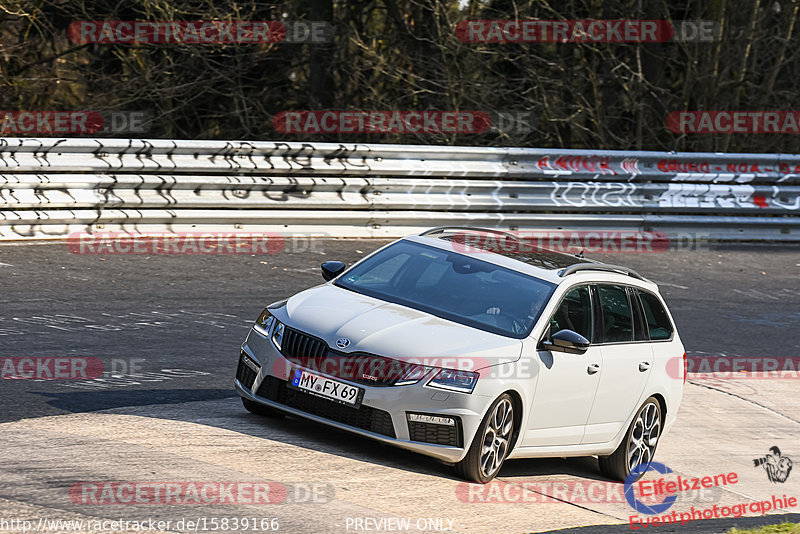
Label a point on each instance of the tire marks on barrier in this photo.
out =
(587, 196)
(593, 182)
(712, 197)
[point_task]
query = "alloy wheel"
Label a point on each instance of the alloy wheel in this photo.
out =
(644, 436)
(496, 438)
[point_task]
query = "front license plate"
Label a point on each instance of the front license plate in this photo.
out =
(326, 388)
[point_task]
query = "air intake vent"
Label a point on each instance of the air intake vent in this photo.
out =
(245, 373)
(365, 417)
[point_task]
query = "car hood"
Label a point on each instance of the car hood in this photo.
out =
(394, 331)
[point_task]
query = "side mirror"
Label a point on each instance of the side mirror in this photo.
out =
(332, 269)
(566, 341)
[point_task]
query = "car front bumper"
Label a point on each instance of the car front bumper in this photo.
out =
(386, 406)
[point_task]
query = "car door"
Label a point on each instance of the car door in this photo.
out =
(626, 361)
(567, 382)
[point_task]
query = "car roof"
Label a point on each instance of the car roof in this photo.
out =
(555, 267)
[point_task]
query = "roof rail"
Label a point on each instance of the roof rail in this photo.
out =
(599, 267)
(442, 229)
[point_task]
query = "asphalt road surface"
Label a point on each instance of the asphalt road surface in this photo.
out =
(167, 330)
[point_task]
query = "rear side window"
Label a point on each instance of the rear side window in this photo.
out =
(616, 310)
(658, 322)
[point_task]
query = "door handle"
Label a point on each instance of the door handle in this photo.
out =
(593, 368)
(644, 366)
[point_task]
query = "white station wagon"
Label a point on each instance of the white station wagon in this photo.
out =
(474, 354)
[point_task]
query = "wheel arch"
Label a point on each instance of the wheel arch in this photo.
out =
(517, 404)
(662, 403)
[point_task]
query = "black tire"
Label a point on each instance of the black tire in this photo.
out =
(500, 414)
(260, 409)
(648, 421)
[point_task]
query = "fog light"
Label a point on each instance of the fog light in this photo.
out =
(248, 361)
(432, 419)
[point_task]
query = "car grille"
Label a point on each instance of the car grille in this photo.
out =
(438, 434)
(364, 417)
(362, 368)
(244, 374)
(297, 344)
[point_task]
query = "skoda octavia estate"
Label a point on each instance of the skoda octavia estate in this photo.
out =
(474, 354)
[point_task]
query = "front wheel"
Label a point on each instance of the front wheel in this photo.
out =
(639, 445)
(491, 444)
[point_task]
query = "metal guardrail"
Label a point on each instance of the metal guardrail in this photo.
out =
(50, 188)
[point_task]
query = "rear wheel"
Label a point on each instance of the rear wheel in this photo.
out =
(491, 444)
(639, 445)
(260, 409)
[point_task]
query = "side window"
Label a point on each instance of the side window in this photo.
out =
(574, 313)
(658, 322)
(616, 310)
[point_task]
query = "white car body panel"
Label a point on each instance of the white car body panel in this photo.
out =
(563, 398)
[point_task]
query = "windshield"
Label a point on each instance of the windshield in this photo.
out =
(452, 286)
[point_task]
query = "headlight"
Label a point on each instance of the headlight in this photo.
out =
(454, 380)
(413, 375)
(277, 336)
(264, 322)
